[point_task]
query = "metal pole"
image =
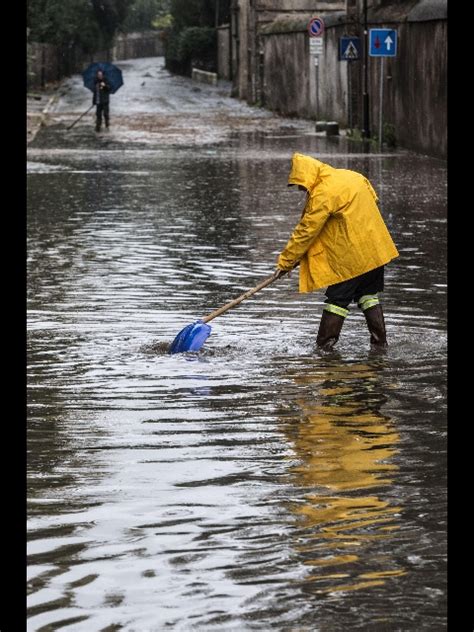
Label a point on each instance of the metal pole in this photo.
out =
(349, 90)
(381, 191)
(230, 49)
(381, 103)
(43, 65)
(316, 65)
(366, 130)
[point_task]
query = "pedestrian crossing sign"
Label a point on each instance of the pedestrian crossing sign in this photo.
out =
(349, 48)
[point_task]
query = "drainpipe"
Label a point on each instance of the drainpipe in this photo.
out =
(43, 65)
(366, 127)
(236, 47)
(230, 50)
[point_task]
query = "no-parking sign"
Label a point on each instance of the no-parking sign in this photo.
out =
(316, 27)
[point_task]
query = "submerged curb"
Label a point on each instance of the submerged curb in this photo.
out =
(35, 120)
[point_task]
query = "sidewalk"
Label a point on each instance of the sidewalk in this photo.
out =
(38, 104)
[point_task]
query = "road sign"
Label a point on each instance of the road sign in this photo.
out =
(382, 42)
(316, 27)
(315, 45)
(349, 48)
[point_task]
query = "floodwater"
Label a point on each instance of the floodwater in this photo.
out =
(257, 484)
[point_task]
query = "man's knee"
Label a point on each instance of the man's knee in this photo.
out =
(367, 301)
(340, 302)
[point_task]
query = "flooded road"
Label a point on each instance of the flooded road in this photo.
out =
(256, 485)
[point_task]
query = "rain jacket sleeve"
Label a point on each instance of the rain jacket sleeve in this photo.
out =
(306, 231)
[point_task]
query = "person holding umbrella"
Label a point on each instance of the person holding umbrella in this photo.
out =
(101, 100)
(102, 79)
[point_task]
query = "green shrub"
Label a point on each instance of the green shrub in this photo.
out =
(388, 135)
(195, 46)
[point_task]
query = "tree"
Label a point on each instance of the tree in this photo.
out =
(147, 14)
(199, 12)
(110, 15)
(89, 23)
(192, 40)
(56, 22)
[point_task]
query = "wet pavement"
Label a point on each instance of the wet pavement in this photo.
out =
(256, 485)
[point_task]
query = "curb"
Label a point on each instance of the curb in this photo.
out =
(202, 76)
(49, 104)
(42, 118)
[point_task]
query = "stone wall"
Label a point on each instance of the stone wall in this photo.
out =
(292, 83)
(415, 81)
(415, 88)
(248, 19)
(135, 45)
(47, 63)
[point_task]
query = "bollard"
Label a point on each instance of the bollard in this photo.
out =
(203, 76)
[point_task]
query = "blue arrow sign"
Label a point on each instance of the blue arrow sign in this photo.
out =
(349, 48)
(382, 42)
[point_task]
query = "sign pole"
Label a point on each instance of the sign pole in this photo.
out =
(349, 51)
(316, 65)
(383, 43)
(315, 31)
(381, 103)
(349, 96)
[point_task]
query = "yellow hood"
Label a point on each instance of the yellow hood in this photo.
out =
(307, 171)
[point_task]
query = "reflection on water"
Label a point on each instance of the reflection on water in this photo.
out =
(346, 446)
(255, 485)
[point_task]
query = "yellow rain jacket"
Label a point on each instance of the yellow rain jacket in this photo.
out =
(341, 233)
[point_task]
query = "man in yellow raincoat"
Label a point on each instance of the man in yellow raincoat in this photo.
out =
(342, 243)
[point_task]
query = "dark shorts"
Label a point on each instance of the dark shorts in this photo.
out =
(342, 294)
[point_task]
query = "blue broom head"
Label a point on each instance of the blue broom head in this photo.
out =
(191, 338)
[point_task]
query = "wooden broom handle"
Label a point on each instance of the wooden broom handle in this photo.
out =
(77, 120)
(245, 295)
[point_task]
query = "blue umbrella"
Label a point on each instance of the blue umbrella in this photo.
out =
(112, 74)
